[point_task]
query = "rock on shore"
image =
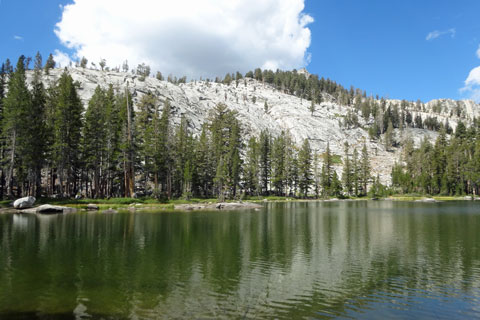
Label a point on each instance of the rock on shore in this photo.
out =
(23, 203)
(49, 209)
(218, 206)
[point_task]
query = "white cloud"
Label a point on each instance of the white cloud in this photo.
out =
(436, 33)
(18, 38)
(189, 37)
(61, 58)
(472, 85)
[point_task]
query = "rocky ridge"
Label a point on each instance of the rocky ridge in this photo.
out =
(285, 112)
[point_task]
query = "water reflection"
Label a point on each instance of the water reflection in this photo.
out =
(290, 260)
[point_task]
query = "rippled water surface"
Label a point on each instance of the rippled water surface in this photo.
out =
(371, 260)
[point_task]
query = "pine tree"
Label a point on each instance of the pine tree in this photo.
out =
(389, 136)
(305, 168)
(146, 131)
(265, 162)
(112, 143)
(327, 171)
(3, 84)
(83, 62)
(95, 141)
(336, 187)
(163, 157)
(234, 164)
(278, 164)
(364, 170)
(226, 132)
(205, 163)
(347, 175)
(17, 107)
(220, 179)
(317, 177)
(356, 173)
(291, 169)
(102, 63)
(252, 185)
(312, 107)
(36, 140)
(50, 64)
(67, 134)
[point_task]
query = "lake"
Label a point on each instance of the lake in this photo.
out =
(355, 259)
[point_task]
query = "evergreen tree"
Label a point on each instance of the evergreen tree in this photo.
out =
(3, 84)
(67, 133)
(347, 175)
(389, 136)
(252, 185)
(36, 139)
(305, 168)
(83, 62)
(112, 144)
(312, 107)
(50, 64)
(327, 171)
(265, 163)
(95, 142)
(356, 173)
(205, 163)
(147, 134)
(336, 187)
(278, 164)
(317, 177)
(364, 174)
(220, 179)
(17, 108)
(226, 132)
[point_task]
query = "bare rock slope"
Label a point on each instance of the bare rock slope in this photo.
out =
(285, 112)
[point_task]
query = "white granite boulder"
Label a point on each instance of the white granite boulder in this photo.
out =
(24, 203)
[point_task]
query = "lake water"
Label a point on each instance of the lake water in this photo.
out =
(362, 259)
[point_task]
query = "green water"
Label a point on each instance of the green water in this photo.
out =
(377, 259)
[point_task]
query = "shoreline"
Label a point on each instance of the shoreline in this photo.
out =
(115, 205)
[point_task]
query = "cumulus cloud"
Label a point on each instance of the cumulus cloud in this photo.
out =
(472, 85)
(189, 37)
(436, 34)
(61, 58)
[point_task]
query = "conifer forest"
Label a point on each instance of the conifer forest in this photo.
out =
(53, 146)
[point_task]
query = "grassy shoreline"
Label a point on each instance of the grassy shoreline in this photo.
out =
(153, 204)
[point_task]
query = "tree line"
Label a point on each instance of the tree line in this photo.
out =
(51, 146)
(447, 167)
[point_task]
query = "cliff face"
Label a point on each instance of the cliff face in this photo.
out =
(284, 112)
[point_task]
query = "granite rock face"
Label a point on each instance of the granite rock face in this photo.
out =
(285, 112)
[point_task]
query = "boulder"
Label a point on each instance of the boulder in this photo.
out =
(427, 200)
(23, 203)
(92, 207)
(48, 208)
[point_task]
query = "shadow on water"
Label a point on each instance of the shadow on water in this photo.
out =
(360, 259)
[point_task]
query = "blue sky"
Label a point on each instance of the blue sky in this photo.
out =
(378, 46)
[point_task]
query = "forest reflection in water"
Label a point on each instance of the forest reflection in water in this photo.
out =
(362, 259)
